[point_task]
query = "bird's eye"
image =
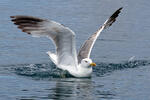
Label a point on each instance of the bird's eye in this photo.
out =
(85, 61)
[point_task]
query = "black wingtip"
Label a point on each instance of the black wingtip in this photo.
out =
(116, 13)
(120, 8)
(112, 18)
(27, 18)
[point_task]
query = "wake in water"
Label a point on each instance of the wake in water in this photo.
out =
(49, 70)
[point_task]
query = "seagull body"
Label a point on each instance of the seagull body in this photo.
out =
(65, 57)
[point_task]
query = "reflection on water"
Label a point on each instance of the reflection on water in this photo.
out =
(72, 89)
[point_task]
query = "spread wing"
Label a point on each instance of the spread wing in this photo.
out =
(62, 37)
(86, 48)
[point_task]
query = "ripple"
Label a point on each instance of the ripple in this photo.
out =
(104, 68)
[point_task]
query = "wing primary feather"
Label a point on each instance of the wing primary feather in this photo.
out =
(29, 18)
(62, 37)
(112, 18)
(86, 48)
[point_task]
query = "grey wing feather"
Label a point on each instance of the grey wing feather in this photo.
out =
(86, 48)
(62, 37)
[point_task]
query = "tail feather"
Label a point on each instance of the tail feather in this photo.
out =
(53, 57)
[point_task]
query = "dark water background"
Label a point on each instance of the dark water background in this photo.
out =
(26, 73)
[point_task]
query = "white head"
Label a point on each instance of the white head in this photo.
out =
(87, 62)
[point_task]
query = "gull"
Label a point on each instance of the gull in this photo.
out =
(65, 57)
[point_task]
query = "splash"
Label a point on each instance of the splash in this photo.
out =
(131, 58)
(49, 70)
(41, 71)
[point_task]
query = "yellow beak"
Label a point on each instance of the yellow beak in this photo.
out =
(93, 64)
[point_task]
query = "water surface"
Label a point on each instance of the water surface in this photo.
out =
(26, 73)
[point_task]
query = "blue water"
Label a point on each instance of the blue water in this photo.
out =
(26, 72)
